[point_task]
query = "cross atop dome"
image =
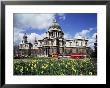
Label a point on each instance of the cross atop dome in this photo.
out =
(54, 20)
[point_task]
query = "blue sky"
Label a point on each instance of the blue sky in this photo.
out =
(77, 22)
(72, 24)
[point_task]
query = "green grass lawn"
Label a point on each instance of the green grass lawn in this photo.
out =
(49, 66)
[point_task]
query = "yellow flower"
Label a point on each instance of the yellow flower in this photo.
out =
(51, 64)
(29, 64)
(34, 60)
(34, 65)
(90, 73)
(27, 69)
(47, 62)
(66, 66)
(45, 66)
(32, 68)
(62, 74)
(21, 70)
(58, 64)
(73, 69)
(68, 63)
(16, 68)
(42, 71)
(81, 74)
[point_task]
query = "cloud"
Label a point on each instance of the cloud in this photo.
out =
(62, 16)
(83, 33)
(92, 40)
(38, 21)
(94, 35)
(32, 36)
(17, 32)
(68, 36)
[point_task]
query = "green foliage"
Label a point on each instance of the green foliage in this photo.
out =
(48, 66)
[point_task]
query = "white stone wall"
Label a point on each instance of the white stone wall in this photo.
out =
(72, 43)
(35, 46)
(24, 46)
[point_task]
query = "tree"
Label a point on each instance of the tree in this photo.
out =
(95, 47)
(93, 52)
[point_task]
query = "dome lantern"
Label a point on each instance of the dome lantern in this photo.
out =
(54, 26)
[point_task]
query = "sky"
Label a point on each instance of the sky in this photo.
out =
(74, 25)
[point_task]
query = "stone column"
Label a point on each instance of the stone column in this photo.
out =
(54, 33)
(57, 34)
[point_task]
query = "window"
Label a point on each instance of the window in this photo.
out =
(81, 43)
(76, 43)
(20, 46)
(70, 43)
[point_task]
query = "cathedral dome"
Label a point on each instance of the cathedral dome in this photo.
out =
(55, 25)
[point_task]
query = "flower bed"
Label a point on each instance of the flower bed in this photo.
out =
(45, 66)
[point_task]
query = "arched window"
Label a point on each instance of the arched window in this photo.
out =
(76, 43)
(70, 43)
(81, 43)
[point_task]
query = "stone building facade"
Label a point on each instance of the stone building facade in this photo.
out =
(54, 42)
